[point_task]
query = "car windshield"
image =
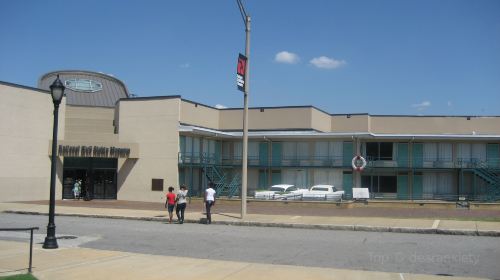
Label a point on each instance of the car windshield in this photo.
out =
(320, 189)
(277, 189)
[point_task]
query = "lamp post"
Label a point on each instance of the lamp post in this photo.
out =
(246, 20)
(57, 92)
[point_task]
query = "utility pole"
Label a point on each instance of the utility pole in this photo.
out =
(246, 20)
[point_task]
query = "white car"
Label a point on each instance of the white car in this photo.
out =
(275, 192)
(323, 192)
(294, 194)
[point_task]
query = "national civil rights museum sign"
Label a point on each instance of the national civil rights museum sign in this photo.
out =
(93, 151)
(96, 149)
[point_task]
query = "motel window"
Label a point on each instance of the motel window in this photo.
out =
(238, 150)
(388, 184)
(379, 150)
(196, 146)
(253, 150)
(226, 150)
(289, 150)
(189, 146)
(297, 150)
(380, 184)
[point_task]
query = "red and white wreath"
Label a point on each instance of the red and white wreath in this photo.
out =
(358, 163)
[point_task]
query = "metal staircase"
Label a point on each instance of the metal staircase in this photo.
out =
(492, 177)
(224, 184)
(235, 186)
(215, 176)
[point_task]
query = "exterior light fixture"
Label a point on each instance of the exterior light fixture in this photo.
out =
(57, 92)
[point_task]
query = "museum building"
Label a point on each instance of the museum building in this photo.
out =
(134, 148)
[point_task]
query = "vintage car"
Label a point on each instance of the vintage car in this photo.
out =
(294, 194)
(323, 192)
(276, 192)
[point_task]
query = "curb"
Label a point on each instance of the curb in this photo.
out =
(490, 233)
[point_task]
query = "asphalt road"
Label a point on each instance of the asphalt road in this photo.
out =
(392, 252)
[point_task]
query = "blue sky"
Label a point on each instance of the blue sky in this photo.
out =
(429, 57)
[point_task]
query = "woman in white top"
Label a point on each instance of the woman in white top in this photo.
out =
(181, 204)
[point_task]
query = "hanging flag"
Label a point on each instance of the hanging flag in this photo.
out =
(240, 72)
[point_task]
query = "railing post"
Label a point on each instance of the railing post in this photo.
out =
(31, 249)
(31, 229)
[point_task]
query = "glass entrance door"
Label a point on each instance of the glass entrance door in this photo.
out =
(69, 178)
(98, 177)
(104, 184)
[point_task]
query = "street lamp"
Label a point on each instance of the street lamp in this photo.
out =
(246, 20)
(57, 92)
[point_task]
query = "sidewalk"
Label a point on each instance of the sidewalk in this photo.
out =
(82, 263)
(404, 225)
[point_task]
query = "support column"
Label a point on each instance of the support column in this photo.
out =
(357, 176)
(461, 183)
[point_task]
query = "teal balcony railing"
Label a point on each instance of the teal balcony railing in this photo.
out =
(286, 161)
(429, 163)
(197, 159)
(332, 161)
(313, 161)
(384, 162)
(255, 161)
(432, 162)
(477, 163)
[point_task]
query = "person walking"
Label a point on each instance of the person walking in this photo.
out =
(86, 183)
(209, 201)
(181, 204)
(77, 189)
(170, 203)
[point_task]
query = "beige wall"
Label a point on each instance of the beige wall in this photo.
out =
(199, 115)
(153, 124)
(26, 122)
(320, 120)
(356, 123)
(276, 118)
(90, 124)
(281, 118)
(435, 125)
(270, 118)
(93, 126)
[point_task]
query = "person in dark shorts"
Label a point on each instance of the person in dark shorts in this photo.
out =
(209, 201)
(170, 203)
(181, 204)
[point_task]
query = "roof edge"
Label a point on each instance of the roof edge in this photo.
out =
(149, 98)
(437, 116)
(24, 87)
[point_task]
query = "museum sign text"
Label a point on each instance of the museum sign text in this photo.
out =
(93, 151)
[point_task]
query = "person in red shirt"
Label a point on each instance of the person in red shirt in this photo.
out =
(170, 203)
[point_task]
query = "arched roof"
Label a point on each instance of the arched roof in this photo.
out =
(87, 88)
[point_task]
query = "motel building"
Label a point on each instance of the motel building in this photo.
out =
(134, 148)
